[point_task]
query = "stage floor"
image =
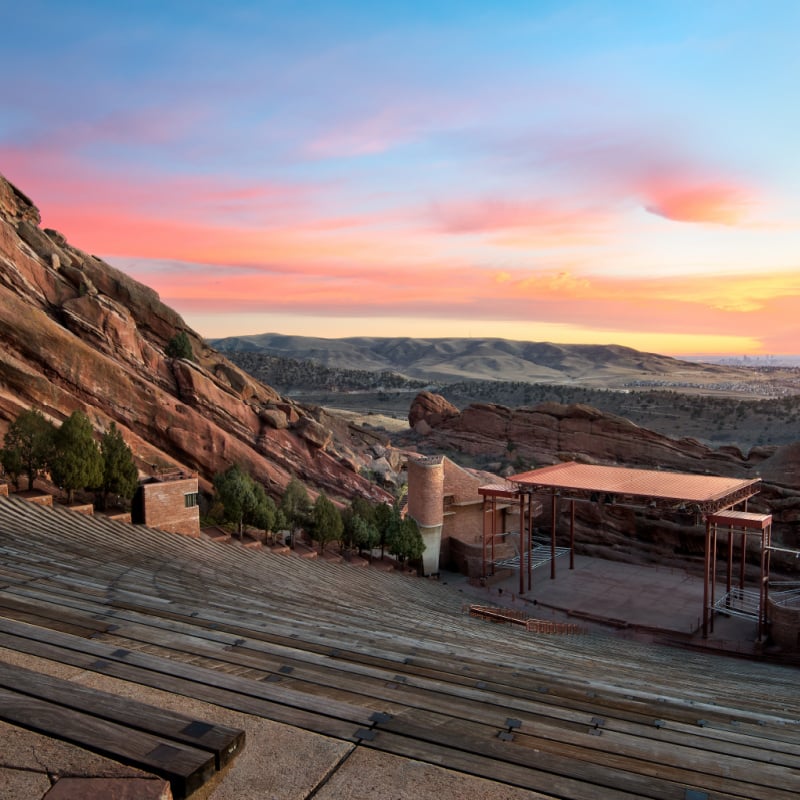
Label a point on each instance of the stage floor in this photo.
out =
(612, 594)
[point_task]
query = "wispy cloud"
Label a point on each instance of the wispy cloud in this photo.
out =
(485, 163)
(701, 306)
(492, 215)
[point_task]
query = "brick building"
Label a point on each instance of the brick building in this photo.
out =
(444, 501)
(169, 503)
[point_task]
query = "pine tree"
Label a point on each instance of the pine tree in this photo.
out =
(264, 513)
(360, 530)
(76, 461)
(28, 446)
(327, 522)
(236, 491)
(180, 346)
(384, 518)
(120, 475)
(296, 506)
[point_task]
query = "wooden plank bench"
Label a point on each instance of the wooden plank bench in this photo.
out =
(50, 615)
(186, 768)
(599, 777)
(637, 741)
(357, 683)
(519, 685)
(222, 741)
(317, 714)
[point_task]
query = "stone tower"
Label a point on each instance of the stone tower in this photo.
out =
(426, 506)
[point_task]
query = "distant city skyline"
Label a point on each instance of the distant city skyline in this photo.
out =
(579, 172)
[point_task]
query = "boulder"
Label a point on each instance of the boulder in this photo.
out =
(274, 418)
(432, 408)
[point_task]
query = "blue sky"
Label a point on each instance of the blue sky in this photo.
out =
(586, 172)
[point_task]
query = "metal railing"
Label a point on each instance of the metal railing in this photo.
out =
(510, 616)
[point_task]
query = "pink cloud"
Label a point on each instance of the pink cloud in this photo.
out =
(455, 291)
(486, 215)
(681, 200)
(132, 212)
(606, 168)
(367, 136)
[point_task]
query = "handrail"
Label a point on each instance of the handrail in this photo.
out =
(512, 616)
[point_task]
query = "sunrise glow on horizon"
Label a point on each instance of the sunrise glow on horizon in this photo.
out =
(577, 172)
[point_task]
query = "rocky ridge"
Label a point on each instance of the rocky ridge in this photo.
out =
(76, 333)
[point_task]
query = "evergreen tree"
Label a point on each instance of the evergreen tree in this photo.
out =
(244, 501)
(405, 540)
(76, 460)
(236, 490)
(28, 446)
(180, 346)
(11, 459)
(383, 522)
(264, 514)
(365, 534)
(120, 475)
(296, 506)
(280, 523)
(327, 522)
(360, 530)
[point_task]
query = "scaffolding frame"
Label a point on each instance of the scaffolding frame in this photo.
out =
(737, 601)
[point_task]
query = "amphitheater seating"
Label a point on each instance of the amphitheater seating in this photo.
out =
(388, 662)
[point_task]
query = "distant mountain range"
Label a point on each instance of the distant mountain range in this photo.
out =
(756, 361)
(457, 359)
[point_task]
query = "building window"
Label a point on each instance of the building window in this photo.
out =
(191, 500)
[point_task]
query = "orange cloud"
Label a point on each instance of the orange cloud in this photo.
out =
(716, 203)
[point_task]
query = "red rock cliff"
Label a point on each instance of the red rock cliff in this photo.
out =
(75, 333)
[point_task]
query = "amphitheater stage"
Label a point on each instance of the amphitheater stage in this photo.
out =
(615, 594)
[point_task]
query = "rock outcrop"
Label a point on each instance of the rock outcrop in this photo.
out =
(429, 410)
(76, 333)
(551, 433)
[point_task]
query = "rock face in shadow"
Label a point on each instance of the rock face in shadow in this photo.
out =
(76, 333)
(552, 433)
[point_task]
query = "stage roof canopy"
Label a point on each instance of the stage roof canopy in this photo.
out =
(705, 493)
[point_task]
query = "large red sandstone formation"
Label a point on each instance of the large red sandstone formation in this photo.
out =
(75, 333)
(551, 433)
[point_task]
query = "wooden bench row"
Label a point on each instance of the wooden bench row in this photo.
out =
(184, 750)
(475, 708)
(351, 632)
(435, 685)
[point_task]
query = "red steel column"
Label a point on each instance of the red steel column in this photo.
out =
(714, 576)
(521, 543)
(744, 558)
(572, 534)
(706, 563)
(530, 541)
(763, 598)
(483, 548)
(553, 539)
(730, 566)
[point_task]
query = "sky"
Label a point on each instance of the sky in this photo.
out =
(575, 172)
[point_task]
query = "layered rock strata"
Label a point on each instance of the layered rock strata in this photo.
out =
(76, 333)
